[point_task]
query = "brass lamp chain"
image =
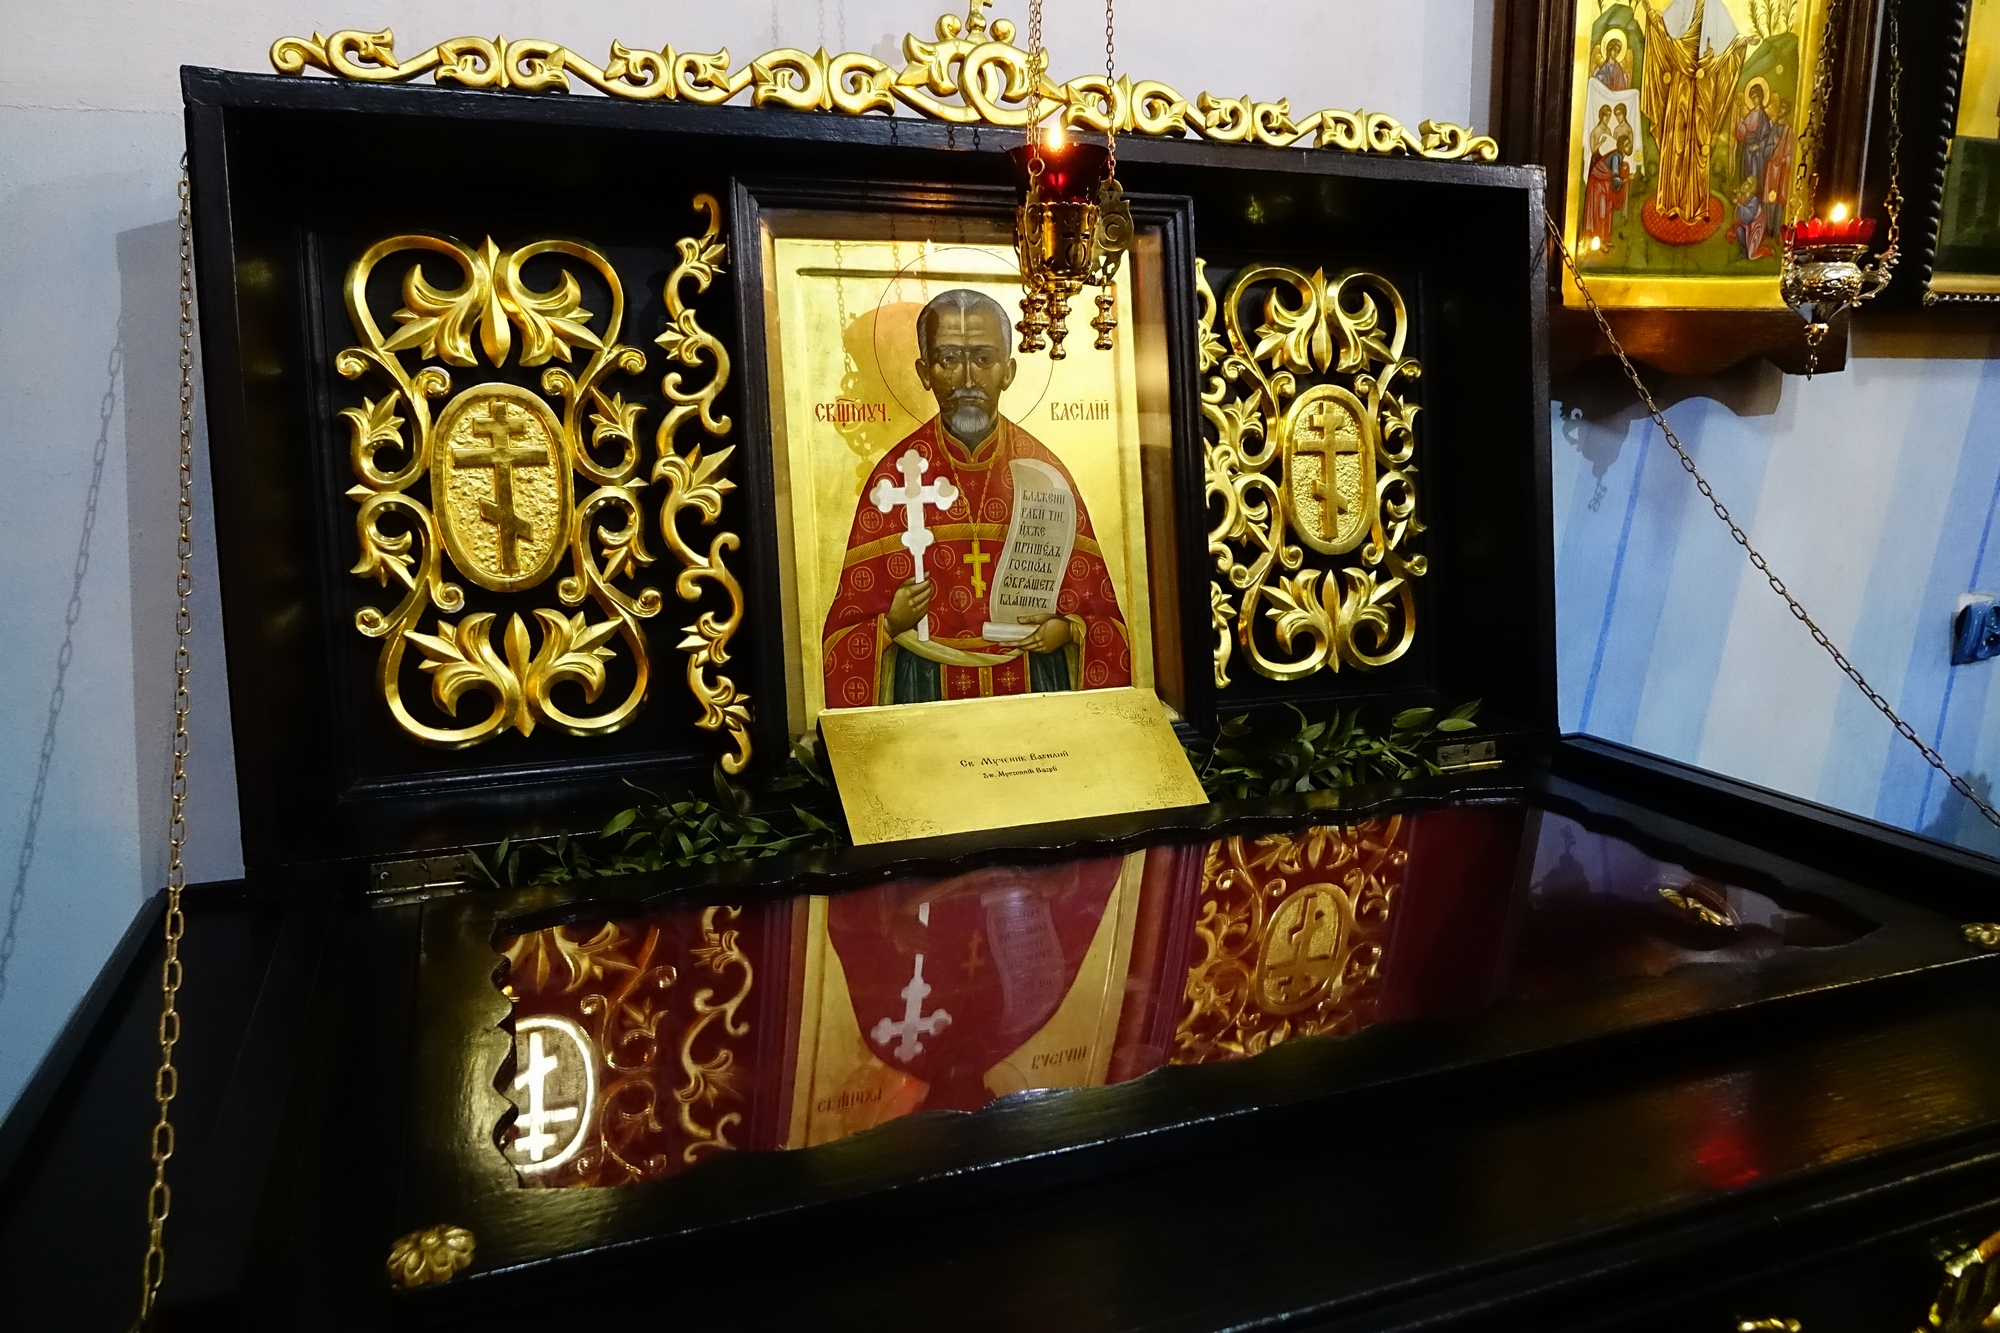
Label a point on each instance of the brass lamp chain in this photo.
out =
(1892, 198)
(1808, 169)
(166, 1080)
(1038, 55)
(1806, 179)
(1110, 90)
(1742, 539)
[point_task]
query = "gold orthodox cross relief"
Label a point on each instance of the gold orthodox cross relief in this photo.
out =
(1309, 447)
(978, 560)
(500, 493)
(502, 484)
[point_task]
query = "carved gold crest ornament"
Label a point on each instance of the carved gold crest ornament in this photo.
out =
(970, 75)
(520, 483)
(1327, 463)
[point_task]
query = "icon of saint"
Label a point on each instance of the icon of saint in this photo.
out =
(1756, 135)
(1614, 69)
(1610, 171)
(1777, 181)
(1013, 596)
(1685, 92)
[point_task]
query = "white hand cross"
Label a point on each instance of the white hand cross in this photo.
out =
(913, 495)
(916, 1023)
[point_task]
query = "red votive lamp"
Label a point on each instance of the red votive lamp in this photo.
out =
(1823, 231)
(1071, 171)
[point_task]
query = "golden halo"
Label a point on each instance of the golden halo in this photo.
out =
(1758, 82)
(904, 296)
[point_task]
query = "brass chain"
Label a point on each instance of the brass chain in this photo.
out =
(1806, 178)
(166, 1080)
(1892, 198)
(1110, 91)
(1038, 59)
(1847, 668)
(1038, 69)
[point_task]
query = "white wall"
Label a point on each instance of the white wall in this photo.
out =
(1872, 493)
(90, 139)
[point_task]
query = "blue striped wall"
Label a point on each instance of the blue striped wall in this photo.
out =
(1873, 494)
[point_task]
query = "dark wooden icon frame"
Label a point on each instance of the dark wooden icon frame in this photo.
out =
(298, 697)
(1933, 39)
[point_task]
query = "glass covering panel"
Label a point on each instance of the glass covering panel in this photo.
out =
(643, 1045)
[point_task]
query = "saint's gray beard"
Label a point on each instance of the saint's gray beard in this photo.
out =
(970, 422)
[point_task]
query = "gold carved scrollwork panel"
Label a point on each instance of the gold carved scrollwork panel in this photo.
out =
(1289, 937)
(1309, 452)
(516, 490)
(970, 74)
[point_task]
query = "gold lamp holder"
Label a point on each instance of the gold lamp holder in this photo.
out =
(1827, 270)
(1071, 231)
(1073, 227)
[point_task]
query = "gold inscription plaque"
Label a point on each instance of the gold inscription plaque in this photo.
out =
(924, 770)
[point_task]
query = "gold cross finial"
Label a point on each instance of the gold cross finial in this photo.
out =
(975, 17)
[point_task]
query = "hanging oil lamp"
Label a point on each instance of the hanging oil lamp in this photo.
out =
(1073, 226)
(1826, 268)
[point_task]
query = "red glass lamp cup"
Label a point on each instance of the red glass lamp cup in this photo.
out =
(1071, 172)
(1819, 231)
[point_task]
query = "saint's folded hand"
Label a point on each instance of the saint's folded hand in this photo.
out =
(1051, 634)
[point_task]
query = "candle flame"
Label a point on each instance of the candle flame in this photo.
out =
(1839, 213)
(1054, 138)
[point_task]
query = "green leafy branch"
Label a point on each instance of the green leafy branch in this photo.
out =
(1341, 751)
(661, 834)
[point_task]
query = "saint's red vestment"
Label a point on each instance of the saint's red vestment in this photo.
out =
(857, 652)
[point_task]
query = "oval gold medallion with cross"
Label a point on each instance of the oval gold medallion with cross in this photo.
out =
(1329, 469)
(501, 485)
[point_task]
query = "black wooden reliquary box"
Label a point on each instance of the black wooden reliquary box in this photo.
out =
(544, 430)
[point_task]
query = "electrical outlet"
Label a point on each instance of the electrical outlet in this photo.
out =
(1975, 631)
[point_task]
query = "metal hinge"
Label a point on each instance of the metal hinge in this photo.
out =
(1469, 756)
(418, 877)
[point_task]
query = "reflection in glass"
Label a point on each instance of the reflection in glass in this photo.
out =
(793, 1022)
